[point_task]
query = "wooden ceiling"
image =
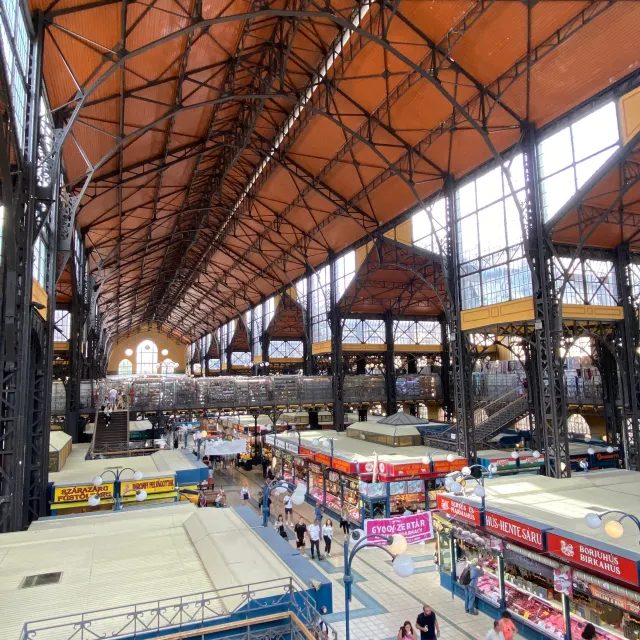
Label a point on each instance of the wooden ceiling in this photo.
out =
(218, 147)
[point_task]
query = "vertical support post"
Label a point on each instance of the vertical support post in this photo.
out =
(629, 360)
(390, 365)
(335, 322)
(75, 351)
(533, 395)
(264, 338)
(309, 364)
(361, 362)
(448, 403)
(460, 356)
(548, 323)
(610, 393)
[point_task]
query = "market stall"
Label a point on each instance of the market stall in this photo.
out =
(541, 562)
(372, 470)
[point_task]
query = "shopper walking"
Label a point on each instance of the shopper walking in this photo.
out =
(279, 527)
(427, 624)
(495, 633)
(202, 499)
(327, 534)
(244, 492)
(344, 520)
(507, 626)
(301, 531)
(288, 509)
(314, 537)
(318, 512)
(407, 632)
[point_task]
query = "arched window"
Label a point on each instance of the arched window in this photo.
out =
(168, 367)
(147, 358)
(125, 368)
(577, 424)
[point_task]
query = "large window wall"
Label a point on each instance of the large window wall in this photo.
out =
(256, 331)
(345, 270)
(286, 349)
(369, 331)
(493, 267)
(62, 328)
(587, 281)
(320, 291)
(16, 46)
(570, 156)
(429, 227)
(417, 332)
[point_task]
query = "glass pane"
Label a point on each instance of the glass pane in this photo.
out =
(466, 199)
(556, 191)
(595, 132)
(489, 187)
(555, 153)
(491, 229)
(468, 229)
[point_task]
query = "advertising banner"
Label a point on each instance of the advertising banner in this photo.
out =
(82, 492)
(415, 528)
(458, 509)
(152, 485)
(514, 530)
(593, 559)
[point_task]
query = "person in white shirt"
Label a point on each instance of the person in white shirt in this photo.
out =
(244, 492)
(327, 534)
(288, 509)
(495, 633)
(314, 536)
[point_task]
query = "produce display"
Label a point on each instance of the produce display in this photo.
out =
(541, 614)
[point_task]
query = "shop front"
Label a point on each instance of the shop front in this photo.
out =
(552, 582)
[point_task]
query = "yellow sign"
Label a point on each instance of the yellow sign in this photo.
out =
(153, 485)
(81, 493)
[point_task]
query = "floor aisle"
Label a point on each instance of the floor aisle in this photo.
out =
(381, 601)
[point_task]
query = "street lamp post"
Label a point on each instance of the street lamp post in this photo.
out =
(613, 528)
(118, 494)
(298, 491)
(395, 546)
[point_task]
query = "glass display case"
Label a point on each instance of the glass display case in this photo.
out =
(287, 467)
(407, 494)
(351, 497)
(300, 470)
(332, 480)
(316, 482)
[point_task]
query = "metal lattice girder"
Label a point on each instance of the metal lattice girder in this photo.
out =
(548, 325)
(475, 111)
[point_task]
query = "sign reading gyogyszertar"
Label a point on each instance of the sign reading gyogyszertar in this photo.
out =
(415, 528)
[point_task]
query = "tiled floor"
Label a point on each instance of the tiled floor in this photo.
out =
(381, 601)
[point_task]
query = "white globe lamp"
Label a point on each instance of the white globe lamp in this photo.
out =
(97, 481)
(297, 498)
(466, 471)
(593, 520)
(141, 495)
(480, 491)
(456, 487)
(403, 565)
(591, 451)
(536, 454)
(451, 457)
(94, 500)
(515, 455)
(138, 475)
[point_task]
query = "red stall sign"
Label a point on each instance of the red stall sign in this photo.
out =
(323, 459)
(343, 465)
(507, 528)
(409, 469)
(597, 560)
(457, 509)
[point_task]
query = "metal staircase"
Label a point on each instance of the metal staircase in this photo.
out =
(112, 438)
(500, 413)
